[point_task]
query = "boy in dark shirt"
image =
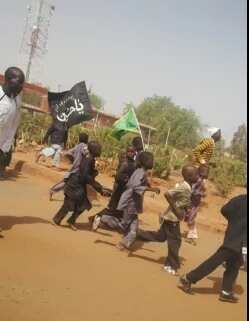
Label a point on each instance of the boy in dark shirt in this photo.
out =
(233, 250)
(131, 203)
(124, 172)
(75, 155)
(76, 198)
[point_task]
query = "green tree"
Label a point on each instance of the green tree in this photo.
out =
(161, 113)
(239, 143)
(220, 147)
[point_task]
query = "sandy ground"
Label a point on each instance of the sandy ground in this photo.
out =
(55, 274)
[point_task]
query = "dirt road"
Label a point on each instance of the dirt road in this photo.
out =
(55, 274)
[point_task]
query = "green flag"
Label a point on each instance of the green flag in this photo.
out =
(126, 124)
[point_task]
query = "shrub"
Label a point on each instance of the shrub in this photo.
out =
(227, 173)
(33, 127)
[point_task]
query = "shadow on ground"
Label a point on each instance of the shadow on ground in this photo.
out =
(13, 174)
(8, 222)
(217, 286)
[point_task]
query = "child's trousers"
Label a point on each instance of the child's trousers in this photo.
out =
(69, 205)
(128, 225)
(170, 232)
(233, 262)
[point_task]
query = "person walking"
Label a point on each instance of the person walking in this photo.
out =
(232, 251)
(10, 114)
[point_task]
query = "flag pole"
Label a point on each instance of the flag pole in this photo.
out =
(139, 128)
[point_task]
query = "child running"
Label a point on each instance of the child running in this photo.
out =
(76, 199)
(57, 134)
(233, 252)
(179, 200)
(75, 155)
(124, 172)
(198, 192)
(131, 203)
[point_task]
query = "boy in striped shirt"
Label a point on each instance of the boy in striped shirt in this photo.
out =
(204, 151)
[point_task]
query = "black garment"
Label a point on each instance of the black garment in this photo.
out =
(5, 160)
(69, 205)
(235, 211)
(170, 232)
(233, 262)
(58, 135)
(76, 198)
(125, 171)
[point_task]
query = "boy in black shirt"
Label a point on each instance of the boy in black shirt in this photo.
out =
(125, 170)
(232, 251)
(76, 198)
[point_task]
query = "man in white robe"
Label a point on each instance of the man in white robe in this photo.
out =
(10, 111)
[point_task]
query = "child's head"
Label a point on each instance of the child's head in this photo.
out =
(190, 174)
(94, 148)
(146, 160)
(203, 171)
(83, 138)
(137, 143)
(130, 153)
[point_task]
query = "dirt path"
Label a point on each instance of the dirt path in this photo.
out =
(55, 274)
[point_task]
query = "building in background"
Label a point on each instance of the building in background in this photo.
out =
(35, 98)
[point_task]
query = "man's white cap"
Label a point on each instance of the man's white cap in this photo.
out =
(213, 130)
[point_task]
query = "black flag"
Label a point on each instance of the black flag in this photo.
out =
(71, 107)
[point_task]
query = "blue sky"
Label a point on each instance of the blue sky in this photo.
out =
(191, 50)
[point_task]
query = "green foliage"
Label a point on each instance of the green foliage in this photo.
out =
(239, 143)
(167, 159)
(227, 173)
(33, 127)
(32, 99)
(220, 147)
(163, 114)
(110, 145)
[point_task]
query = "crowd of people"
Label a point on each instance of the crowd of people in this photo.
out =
(132, 181)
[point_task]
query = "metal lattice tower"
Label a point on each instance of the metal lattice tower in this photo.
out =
(35, 37)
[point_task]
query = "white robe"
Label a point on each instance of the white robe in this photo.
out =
(10, 112)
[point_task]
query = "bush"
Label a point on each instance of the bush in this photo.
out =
(32, 99)
(227, 173)
(33, 127)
